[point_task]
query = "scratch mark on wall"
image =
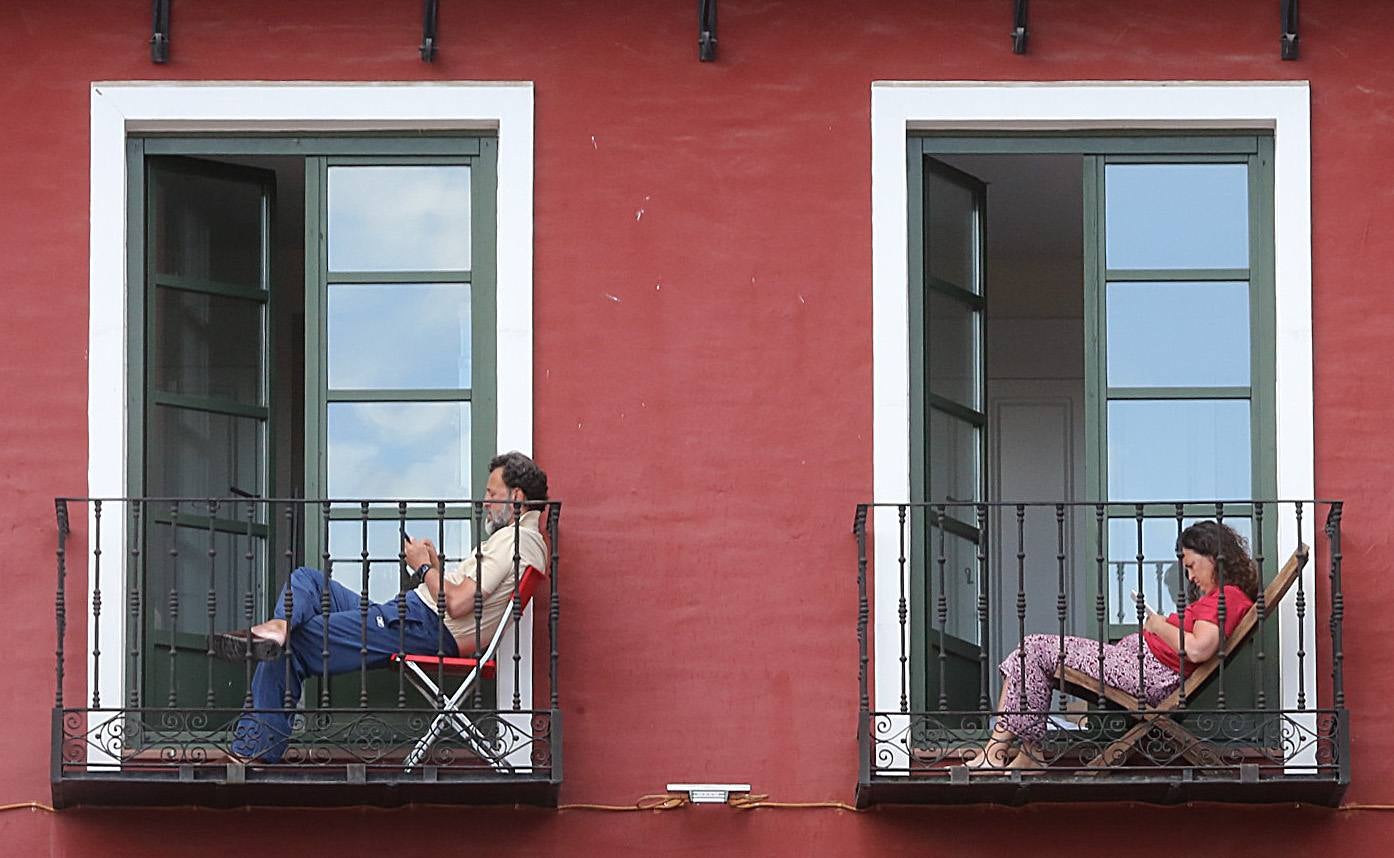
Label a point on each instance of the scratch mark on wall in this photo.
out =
(639, 214)
(614, 298)
(593, 146)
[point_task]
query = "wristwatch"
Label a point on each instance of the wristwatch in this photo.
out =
(422, 570)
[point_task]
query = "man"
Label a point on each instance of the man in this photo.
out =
(516, 486)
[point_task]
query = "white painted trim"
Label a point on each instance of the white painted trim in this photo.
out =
(901, 106)
(119, 108)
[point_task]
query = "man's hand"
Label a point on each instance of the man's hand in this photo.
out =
(419, 552)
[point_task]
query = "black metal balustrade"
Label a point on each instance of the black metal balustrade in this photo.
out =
(159, 578)
(948, 591)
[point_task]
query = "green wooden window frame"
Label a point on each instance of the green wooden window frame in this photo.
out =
(320, 152)
(1097, 150)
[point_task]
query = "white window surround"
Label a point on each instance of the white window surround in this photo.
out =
(898, 107)
(122, 108)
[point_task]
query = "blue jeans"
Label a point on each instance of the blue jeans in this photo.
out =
(262, 735)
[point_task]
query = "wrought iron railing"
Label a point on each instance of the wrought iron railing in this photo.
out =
(156, 580)
(948, 591)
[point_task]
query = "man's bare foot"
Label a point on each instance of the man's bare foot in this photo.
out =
(271, 630)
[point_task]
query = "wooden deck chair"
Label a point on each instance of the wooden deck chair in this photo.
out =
(422, 671)
(1082, 685)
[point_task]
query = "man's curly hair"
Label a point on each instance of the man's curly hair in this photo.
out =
(521, 472)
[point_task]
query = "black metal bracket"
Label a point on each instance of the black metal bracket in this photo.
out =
(428, 31)
(1019, 28)
(1289, 29)
(159, 32)
(706, 30)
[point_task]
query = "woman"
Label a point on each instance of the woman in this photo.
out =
(1205, 546)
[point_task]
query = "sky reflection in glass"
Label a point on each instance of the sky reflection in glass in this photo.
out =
(1178, 334)
(399, 218)
(1177, 215)
(399, 450)
(399, 336)
(1174, 450)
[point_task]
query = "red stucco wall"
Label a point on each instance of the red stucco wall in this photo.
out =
(711, 437)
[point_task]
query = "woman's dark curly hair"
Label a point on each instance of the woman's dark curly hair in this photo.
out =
(1229, 550)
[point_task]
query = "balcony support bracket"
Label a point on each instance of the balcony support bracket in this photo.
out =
(159, 32)
(706, 30)
(1290, 37)
(1019, 28)
(428, 31)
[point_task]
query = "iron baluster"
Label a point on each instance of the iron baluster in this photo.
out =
(249, 602)
(1301, 599)
(942, 611)
(324, 603)
(96, 604)
(1220, 586)
(1141, 611)
(863, 611)
(135, 603)
(212, 606)
(1181, 607)
(1020, 604)
(1261, 612)
(288, 602)
(60, 599)
(901, 611)
(985, 679)
(554, 612)
(401, 600)
(1100, 608)
(517, 604)
(1061, 606)
(173, 604)
(363, 605)
(442, 611)
(1120, 573)
(1338, 609)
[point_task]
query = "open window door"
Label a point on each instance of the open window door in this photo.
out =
(951, 547)
(205, 422)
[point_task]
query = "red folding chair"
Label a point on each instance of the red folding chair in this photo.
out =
(422, 670)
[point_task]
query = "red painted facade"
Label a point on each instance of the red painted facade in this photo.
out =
(710, 438)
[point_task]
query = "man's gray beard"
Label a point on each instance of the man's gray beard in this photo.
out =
(493, 523)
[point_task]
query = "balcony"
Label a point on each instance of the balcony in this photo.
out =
(947, 592)
(152, 581)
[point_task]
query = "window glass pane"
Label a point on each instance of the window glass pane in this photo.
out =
(1161, 577)
(399, 336)
(959, 584)
(207, 345)
(415, 450)
(951, 234)
(199, 454)
(346, 545)
(1177, 215)
(1178, 334)
(189, 576)
(399, 218)
(953, 460)
(952, 335)
(208, 228)
(1178, 450)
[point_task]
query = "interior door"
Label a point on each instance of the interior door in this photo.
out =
(206, 417)
(951, 554)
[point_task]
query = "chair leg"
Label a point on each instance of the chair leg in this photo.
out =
(424, 744)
